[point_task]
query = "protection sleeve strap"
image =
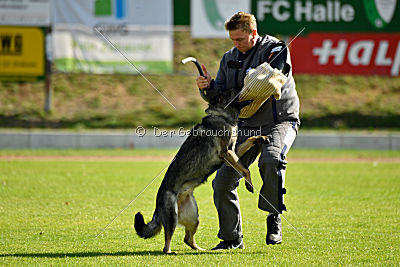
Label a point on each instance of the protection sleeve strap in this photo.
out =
(278, 56)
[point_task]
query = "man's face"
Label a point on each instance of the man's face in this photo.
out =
(243, 41)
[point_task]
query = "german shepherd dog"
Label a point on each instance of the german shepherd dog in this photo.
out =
(209, 145)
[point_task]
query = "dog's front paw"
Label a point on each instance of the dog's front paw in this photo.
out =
(266, 140)
(261, 140)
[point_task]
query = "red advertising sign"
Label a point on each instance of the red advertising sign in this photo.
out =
(347, 53)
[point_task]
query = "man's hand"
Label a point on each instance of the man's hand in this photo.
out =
(203, 82)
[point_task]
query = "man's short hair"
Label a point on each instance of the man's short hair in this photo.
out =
(241, 20)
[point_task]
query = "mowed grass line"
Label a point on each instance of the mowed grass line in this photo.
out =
(51, 211)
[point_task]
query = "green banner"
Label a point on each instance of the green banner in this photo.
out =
(289, 17)
(79, 65)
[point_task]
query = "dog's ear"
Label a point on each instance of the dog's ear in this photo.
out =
(217, 99)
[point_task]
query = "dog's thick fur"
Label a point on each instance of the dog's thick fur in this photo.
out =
(210, 144)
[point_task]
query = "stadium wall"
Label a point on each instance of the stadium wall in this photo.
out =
(93, 140)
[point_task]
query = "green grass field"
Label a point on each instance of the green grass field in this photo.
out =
(52, 210)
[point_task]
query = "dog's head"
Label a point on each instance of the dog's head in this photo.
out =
(229, 102)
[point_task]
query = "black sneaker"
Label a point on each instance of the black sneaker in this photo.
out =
(274, 229)
(232, 244)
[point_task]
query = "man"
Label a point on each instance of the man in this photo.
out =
(278, 119)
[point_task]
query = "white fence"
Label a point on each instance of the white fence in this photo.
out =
(128, 139)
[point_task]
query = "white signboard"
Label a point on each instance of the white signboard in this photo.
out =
(25, 12)
(132, 33)
(208, 17)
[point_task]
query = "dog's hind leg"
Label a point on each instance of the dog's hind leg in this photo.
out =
(188, 217)
(169, 218)
(168, 239)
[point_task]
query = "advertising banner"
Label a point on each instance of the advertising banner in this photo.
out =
(208, 16)
(133, 31)
(289, 17)
(351, 53)
(25, 12)
(22, 53)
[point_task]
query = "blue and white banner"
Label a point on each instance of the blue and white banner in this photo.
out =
(25, 13)
(140, 29)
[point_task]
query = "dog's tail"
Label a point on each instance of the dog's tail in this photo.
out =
(147, 230)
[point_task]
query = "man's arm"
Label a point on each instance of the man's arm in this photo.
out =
(209, 88)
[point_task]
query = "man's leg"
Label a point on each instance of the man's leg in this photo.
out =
(226, 201)
(272, 166)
